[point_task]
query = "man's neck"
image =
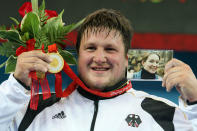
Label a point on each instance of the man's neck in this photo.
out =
(91, 96)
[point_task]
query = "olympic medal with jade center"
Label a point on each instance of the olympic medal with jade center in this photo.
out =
(57, 63)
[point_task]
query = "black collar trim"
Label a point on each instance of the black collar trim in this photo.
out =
(90, 96)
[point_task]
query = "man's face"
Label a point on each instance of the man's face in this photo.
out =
(102, 61)
(152, 63)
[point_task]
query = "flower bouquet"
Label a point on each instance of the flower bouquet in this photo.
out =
(39, 29)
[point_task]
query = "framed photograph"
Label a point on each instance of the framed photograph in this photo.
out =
(147, 64)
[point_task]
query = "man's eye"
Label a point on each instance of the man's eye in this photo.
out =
(110, 49)
(91, 48)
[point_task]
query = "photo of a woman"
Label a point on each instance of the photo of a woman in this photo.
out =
(150, 65)
(147, 64)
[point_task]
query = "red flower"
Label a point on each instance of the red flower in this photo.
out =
(30, 46)
(27, 7)
(20, 50)
(51, 13)
(3, 40)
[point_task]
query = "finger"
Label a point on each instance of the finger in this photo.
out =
(173, 63)
(40, 63)
(170, 83)
(169, 72)
(37, 53)
(28, 67)
(38, 67)
(34, 60)
(184, 68)
(173, 80)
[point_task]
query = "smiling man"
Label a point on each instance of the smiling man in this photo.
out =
(102, 46)
(102, 61)
(110, 103)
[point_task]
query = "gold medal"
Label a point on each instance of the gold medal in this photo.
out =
(57, 63)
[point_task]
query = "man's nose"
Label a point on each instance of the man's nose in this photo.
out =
(100, 56)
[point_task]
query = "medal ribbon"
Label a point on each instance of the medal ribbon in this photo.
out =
(58, 79)
(76, 81)
(35, 81)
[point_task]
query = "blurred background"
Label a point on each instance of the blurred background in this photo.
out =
(158, 24)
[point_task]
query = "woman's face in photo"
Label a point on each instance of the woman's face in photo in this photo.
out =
(152, 63)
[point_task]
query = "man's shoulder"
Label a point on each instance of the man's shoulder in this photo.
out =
(137, 93)
(152, 98)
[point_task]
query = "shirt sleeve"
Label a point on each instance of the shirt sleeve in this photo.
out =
(13, 97)
(190, 111)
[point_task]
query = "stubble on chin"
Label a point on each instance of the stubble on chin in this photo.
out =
(101, 84)
(95, 85)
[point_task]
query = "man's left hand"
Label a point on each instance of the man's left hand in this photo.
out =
(180, 75)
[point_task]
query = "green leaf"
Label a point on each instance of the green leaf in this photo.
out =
(3, 27)
(35, 6)
(42, 7)
(13, 27)
(68, 57)
(31, 23)
(3, 64)
(12, 36)
(71, 27)
(60, 42)
(10, 64)
(52, 27)
(25, 36)
(72, 51)
(42, 39)
(8, 48)
(54, 23)
(15, 20)
(42, 14)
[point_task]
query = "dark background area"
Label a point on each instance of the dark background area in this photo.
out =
(167, 17)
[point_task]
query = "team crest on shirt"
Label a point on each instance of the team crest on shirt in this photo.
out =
(133, 120)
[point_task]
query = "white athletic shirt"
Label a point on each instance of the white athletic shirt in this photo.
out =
(131, 111)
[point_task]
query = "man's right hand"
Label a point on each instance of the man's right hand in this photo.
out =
(31, 61)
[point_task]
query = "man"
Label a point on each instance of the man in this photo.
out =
(102, 44)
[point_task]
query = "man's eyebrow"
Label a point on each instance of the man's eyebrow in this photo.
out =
(111, 46)
(89, 44)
